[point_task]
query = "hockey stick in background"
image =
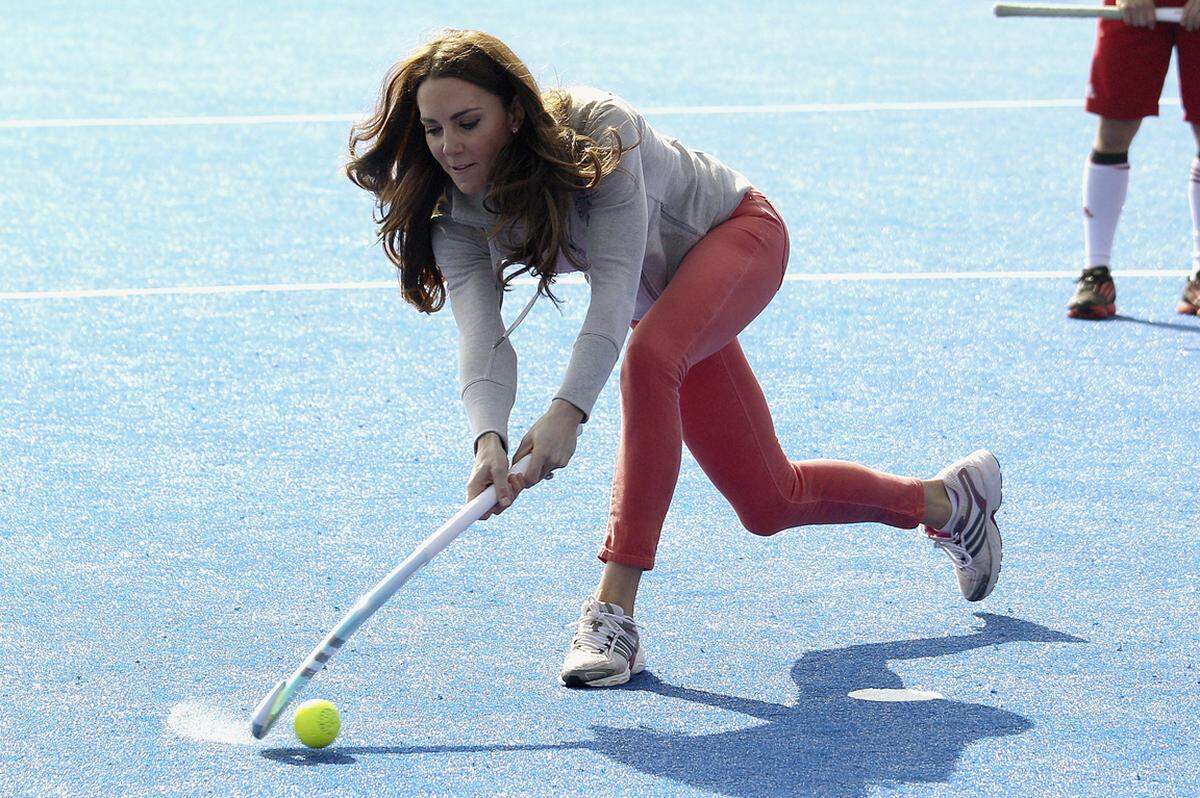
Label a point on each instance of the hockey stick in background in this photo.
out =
(1064, 10)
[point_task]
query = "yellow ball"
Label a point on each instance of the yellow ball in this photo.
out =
(317, 723)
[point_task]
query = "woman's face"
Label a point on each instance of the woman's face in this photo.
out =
(465, 128)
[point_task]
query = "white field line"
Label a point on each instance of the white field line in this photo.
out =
(831, 277)
(668, 110)
(175, 121)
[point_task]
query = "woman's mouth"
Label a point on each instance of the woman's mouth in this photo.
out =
(460, 169)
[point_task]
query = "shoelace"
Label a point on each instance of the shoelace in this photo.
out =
(958, 555)
(597, 630)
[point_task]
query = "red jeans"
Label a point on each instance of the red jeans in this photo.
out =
(685, 379)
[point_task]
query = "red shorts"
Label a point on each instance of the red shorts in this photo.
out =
(1131, 64)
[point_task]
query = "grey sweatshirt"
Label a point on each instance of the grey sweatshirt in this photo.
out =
(630, 233)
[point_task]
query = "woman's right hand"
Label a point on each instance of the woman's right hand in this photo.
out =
(491, 468)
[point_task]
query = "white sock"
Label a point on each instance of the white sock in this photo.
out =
(1104, 189)
(1194, 201)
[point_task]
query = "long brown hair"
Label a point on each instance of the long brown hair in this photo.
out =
(534, 175)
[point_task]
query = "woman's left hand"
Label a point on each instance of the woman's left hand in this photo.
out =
(550, 442)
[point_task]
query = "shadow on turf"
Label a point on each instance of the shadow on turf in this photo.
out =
(1167, 325)
(344, 754)
(826, 743)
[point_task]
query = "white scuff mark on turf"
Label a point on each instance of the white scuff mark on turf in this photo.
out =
(665, 110)
(206, 723)
(811, 277)
(894, 695)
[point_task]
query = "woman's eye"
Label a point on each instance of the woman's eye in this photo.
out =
(469, 125)
(432, 131)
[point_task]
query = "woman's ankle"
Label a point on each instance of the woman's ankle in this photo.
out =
(619, 585)
(938, 510)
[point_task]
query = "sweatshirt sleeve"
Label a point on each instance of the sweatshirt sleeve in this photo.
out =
(618, 221)
(487, 362)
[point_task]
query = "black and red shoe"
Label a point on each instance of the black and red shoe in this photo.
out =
(1095, 295)
(1189, 303)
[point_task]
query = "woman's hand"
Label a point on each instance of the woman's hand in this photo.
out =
(1138, 13)
(550, 442)
(491, 468)
(1191, 15)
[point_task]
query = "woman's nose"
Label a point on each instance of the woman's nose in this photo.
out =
(451, 144)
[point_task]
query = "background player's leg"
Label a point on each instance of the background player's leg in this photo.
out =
(1129, 68)
(1114, 136)
(1187, 45)
(1189, 303)
(1105, 184)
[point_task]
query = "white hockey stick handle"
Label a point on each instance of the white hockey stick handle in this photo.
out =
(1065, 10)
(273, 704)
(431, 547)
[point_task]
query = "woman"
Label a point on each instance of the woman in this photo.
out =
(479, 177)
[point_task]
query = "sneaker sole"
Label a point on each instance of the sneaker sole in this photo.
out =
(1095, 312)
(617, 679)
(1187, 309)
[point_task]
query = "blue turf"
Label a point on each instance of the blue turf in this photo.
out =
(194, 488)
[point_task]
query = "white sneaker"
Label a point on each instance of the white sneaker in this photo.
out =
(605, 650)
(972, 539)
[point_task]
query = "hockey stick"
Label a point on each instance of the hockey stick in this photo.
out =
(1063, 10)
(273, 704)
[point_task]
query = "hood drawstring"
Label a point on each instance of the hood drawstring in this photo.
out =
(520, 318)
(516, 322)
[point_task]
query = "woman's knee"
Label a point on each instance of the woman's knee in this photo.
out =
(648, 357)
(762, 520)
